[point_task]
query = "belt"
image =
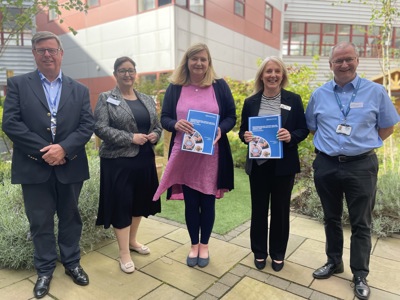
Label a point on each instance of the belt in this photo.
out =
(344, 158)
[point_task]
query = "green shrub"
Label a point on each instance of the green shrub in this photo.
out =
(386, 214)
(16, 248)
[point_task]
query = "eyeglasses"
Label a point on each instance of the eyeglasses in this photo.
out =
(348, 60)
(123, 71)
(51, 51)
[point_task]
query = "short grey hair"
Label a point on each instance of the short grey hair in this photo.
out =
(344, 44)
(45, 35)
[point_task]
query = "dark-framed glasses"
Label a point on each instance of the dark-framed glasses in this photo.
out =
(123, 71)
(348, 60)
(51, 51)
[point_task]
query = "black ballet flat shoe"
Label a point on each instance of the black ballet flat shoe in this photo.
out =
(260, 264)
(277, 266)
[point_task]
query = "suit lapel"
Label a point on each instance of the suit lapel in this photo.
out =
(66, 89)
(284, 112)
(36, 85)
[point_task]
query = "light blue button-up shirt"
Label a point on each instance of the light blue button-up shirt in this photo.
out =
(370, 110)
(52, 91)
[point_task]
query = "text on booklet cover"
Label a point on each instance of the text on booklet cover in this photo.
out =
(205, 129)
(265, 144)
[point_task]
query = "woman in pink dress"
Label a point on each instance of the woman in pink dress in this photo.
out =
(197, 178)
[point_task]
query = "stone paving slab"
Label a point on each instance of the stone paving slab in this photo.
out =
(107, 281)
(223, 256)
(177, 274)
(334, 286)
(385, 274)
(231, 274)
(9, 277)
(388, 248)
(249, 288)
(167, 292)
(19, 290)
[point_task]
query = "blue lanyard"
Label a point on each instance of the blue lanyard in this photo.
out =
(53, 104)
(351, 100)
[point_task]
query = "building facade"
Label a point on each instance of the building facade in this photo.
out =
(156, 33)
(312, 27)
(15, 50)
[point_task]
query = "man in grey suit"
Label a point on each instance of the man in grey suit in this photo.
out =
(48, 117)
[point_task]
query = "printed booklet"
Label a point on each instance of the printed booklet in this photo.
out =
(265, 144)
(205, 129)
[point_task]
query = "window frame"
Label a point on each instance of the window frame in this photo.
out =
(243, 8)
(268, 19)
(296, 43)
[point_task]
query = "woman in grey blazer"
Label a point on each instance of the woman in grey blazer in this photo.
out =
(127, 123)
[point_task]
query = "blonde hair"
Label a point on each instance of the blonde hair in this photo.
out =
(181, 75)
(258, 83)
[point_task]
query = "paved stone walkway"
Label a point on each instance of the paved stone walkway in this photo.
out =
(231, 273)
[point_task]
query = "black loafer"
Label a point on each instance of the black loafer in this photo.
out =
(328, 270)
(277, 266)
(260, 264)
(361, 288)
(78, 275)
(42, 286)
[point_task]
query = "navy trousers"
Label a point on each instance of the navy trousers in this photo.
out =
(42, 201)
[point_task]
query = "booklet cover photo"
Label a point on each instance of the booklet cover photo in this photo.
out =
(205, 129)
(265, 144)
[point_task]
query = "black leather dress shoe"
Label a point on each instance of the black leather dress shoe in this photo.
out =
(78, 275)
(277, 266)
(361, 288)
(42, 286)
(260, 264)
(328, 270)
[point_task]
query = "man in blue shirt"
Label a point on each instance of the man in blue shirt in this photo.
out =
(349, 117)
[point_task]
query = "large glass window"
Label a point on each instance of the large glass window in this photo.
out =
(315, 38)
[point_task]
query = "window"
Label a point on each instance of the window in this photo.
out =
(196, 6)
(268, 17)
(309, 39)
(144, 5)
(91, 3)
(7, 29)
(52, 14)
(181, 3)
(163, 2)
(239, 7)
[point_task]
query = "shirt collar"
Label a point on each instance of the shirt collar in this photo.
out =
(43, 78)
(353, 84)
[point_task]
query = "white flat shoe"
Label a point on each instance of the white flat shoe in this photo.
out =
(141, 250)
(128, 268)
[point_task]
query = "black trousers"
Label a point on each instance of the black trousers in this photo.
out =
(266, 188)
(42, 201)
(356, 182)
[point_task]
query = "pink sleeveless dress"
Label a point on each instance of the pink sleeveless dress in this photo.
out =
(198, 171)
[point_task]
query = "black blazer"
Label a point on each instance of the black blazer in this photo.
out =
(293, 120)
(26, 121)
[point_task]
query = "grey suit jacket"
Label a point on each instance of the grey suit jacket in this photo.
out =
(26, 121)
(116, 125)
